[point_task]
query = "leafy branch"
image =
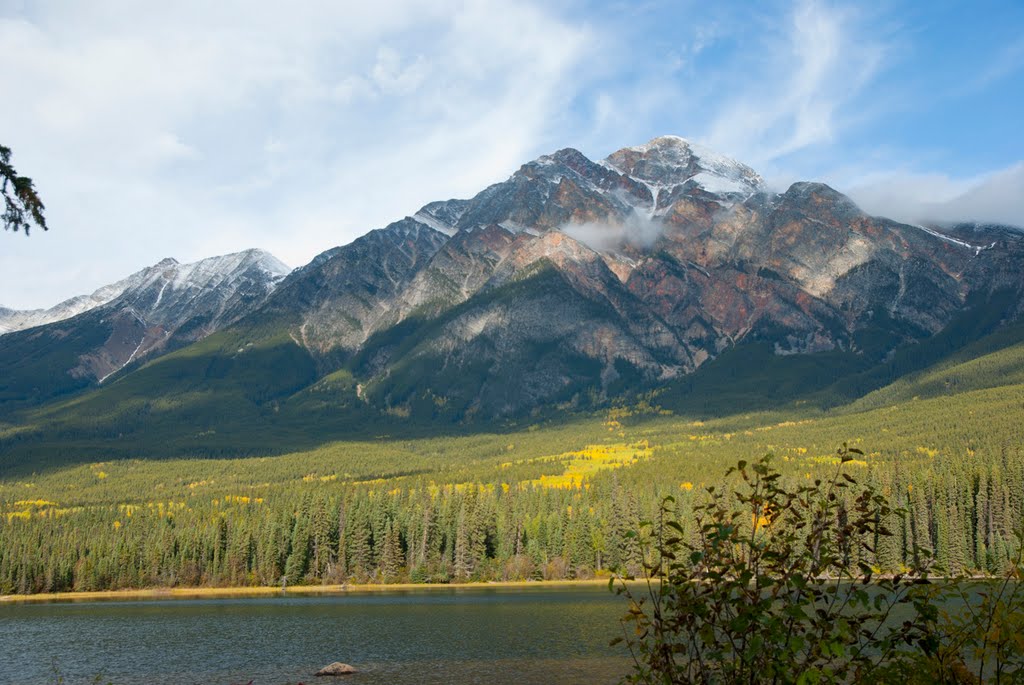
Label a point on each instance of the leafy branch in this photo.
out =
(22, 205)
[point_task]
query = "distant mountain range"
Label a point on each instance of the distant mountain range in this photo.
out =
(85, 340)
(570, 284)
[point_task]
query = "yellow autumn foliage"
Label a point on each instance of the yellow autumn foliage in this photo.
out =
(582, 465)
(35, 503)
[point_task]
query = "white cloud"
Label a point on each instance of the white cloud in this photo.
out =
(913, 197)
(636, 230)
(188, 128)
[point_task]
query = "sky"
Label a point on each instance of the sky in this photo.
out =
(190, 129)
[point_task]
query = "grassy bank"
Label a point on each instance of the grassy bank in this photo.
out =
(145, 594)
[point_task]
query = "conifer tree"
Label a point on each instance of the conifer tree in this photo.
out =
(981, 518)
(463, 562)
(392, 559)
(360, 546)
(342, 553)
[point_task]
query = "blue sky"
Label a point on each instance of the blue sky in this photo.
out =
(190, 129)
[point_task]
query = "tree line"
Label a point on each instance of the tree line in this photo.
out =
(963, 511)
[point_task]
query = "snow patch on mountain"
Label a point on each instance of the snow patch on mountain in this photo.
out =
(224, 269)
(442, 216)
(655, 191)
(514, 228)
(949, 239)
(433, 223)
(130, 359)
(720, 185)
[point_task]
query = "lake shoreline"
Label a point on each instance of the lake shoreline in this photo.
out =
(160, 593)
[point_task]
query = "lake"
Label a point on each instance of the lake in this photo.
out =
(449, 635)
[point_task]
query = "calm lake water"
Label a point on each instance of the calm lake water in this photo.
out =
(431, 636)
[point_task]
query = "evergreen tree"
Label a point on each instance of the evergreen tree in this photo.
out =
(464, 561)
(360, 546)
(392, 560)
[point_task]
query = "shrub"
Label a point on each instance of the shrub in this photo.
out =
(773, 583)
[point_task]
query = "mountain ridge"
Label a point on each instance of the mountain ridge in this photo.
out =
(12, 320)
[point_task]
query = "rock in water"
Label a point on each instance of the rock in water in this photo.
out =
(337, 668)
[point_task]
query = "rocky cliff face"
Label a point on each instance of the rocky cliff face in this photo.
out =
(332, 305)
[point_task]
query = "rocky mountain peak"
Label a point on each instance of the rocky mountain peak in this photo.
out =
(151, 287)
(821, 192)
(571, 158)
(168, 285)
(813, 198)
(442, 216)
(669, 161)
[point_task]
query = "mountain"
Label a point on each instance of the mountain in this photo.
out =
(577, 277)
(160, 308)
(662, 267)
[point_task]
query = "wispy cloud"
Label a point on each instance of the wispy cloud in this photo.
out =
(183, 129)
(799, 78)
(805, 78)
(1008, 61)
(636, 230)
(758, 82)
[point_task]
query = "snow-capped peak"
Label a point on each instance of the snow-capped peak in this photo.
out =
(164, 277)
(16, 320)
(207, 272)
(669, 161)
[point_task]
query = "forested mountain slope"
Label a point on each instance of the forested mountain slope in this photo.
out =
(555, 500)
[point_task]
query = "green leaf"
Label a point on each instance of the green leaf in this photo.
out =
(811, 676)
